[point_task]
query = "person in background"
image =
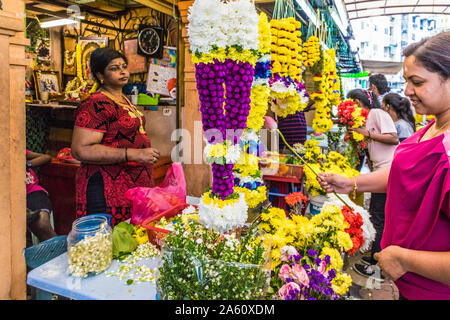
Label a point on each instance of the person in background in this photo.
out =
(382, 139)
(399, 108)
(293, 128)
(39, 206)
(378, 84)
(416, 240)
(110, 141)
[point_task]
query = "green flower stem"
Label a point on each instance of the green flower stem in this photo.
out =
(306, 164)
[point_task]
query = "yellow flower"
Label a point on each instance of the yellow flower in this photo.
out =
(335, 258)
(211, 201)
(264, 33)
(258, 107)
(253, 197)
(341, 283)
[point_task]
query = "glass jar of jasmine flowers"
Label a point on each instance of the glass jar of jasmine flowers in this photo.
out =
(89, 246)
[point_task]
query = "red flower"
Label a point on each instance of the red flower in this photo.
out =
(294, 198)
(355, 221)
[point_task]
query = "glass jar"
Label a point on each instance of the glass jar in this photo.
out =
(89, 246)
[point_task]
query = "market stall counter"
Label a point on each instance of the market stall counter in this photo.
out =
(54, 277)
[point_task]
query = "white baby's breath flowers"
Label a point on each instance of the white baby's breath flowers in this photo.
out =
(131, 271)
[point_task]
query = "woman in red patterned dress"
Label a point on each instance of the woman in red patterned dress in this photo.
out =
(110, 140)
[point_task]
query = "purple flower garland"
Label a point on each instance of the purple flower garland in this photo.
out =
(237, 77)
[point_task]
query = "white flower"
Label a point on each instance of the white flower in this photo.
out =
(225, 219)
(189, 210)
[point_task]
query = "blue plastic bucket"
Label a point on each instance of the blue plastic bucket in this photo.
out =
(314, 209)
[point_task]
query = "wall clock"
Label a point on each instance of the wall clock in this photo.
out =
(151, 41)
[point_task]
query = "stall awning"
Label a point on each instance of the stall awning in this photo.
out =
(370, 8)
(384, 67)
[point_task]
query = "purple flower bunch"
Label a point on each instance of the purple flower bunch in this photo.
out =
(306, 277)
(210, 78)
(223, 180)
(238, 86)
(238, 78)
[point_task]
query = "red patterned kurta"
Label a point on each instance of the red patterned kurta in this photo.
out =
(100, 113)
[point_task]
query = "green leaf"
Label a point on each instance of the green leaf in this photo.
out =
(130, 281)
(122, 240)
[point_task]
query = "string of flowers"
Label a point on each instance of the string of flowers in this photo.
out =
(224, 41)
(288, 93)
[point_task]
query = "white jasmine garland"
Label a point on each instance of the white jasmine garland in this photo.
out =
(223, 219)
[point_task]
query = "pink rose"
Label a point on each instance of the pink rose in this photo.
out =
(285, 272)
(300, 275)
(284, 290)
(286, 252)
(322, 267)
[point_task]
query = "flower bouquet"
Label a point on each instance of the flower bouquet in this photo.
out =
(309, 277)
(352, 116)
(201, 264)
(325, 233)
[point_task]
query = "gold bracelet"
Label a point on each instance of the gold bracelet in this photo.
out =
(355, 187)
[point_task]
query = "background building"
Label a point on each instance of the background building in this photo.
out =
(383, 38)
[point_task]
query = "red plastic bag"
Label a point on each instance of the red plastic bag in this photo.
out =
(148, 202)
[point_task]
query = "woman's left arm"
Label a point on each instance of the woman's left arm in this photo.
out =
(387, 138)
(395, 261)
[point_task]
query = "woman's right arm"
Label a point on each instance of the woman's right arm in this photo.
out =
(86, 147)
(372, 182)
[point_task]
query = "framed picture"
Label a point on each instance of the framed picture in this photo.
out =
(43, 50)
(136, 62)
(162, 80)
(47, 81)
(89, 44)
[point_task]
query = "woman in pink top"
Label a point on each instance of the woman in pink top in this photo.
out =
(381, 137)
(38, 203)
(416, 238)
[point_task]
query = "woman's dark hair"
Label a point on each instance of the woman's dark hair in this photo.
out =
(401, 106)
(101, 57)
(379, 81)
(433, 53)
(367, 98)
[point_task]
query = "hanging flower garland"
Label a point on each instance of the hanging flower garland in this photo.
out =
(288, 93)
(311, 51)
(224, 41)
(325, 94)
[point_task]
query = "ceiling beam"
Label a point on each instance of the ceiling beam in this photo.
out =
(157, 5)
(66, 4)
